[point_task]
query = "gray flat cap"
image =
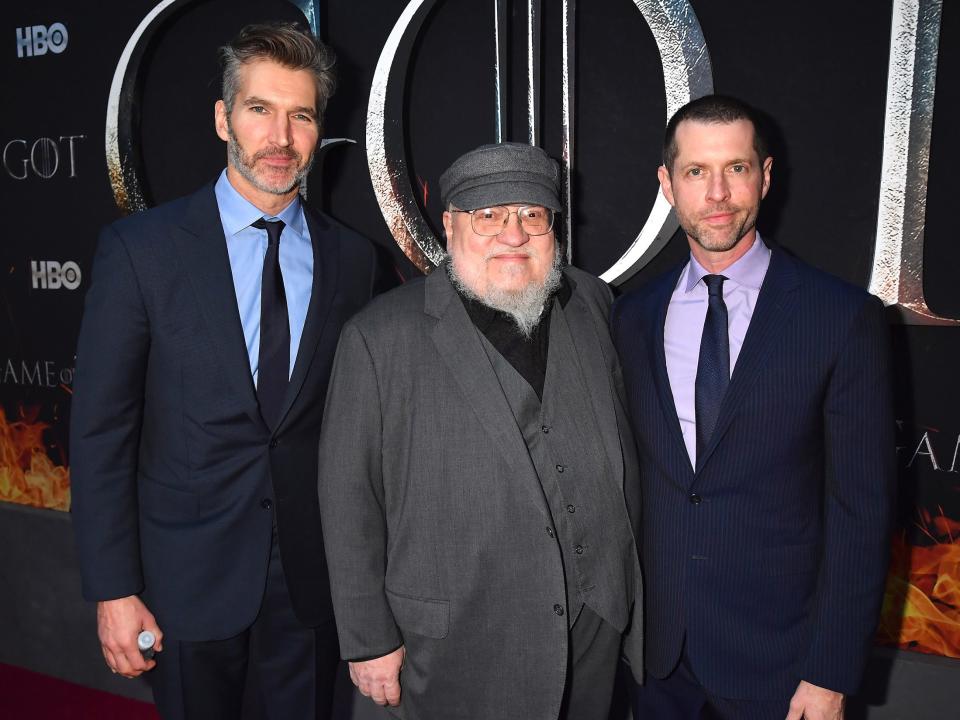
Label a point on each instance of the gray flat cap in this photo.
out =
(501, 174)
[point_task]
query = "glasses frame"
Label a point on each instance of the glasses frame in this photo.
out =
(553, 218)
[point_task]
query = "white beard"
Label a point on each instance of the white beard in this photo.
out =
(525, 306)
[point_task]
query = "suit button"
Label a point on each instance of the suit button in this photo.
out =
(695, 499)
(558, 609)
(571, 509)
(560, 468)
(545, 429)
(579, 549)
(266, 503)
(274, 443)
(550, 531)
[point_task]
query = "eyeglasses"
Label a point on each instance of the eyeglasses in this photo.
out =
(491, 221)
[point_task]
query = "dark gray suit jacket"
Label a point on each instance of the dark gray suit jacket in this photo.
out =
(435, 521)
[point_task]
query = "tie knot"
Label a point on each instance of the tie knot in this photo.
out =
(714, 284)
(273, 228)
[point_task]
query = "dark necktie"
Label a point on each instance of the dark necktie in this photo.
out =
(713, 368)
(273, 367)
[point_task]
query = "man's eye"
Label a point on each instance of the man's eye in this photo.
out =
(485, 214)
(739, 168)
(258, 108)
(302, 117)
(696, 172)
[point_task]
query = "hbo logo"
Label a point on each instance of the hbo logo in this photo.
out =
(51, 275)
(37, 39)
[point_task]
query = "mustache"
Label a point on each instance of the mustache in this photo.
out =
(276, 151)
(516, 251)
(720, 210)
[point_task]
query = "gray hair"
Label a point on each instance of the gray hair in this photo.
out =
(284, 43)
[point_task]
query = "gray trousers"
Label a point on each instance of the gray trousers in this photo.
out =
(594, 652)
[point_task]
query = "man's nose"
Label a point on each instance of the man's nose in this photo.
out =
(718, 189)
(513, 233)
(280, 130)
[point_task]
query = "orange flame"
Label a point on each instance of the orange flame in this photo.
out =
(27, 474)
(921, 606)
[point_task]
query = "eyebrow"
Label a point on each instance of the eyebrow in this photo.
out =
(700, 163)
(254, 100)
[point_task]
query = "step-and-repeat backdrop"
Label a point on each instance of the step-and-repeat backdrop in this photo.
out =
(109, 109)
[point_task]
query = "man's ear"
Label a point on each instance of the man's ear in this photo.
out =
(448, 225)
(767, 165)
(666, 187)
(220, 120)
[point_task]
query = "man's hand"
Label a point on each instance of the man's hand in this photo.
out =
(379, 679)
(118, 624)
(812, 702)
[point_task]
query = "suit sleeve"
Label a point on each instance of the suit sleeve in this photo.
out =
(351, 495)
(106, 417)
(860, 479)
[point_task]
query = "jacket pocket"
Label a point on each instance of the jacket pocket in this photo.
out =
(423, 616)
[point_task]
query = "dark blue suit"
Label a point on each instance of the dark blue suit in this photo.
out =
(768, 561)
(176, 477)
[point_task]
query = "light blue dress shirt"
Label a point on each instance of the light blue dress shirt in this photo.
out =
(683, 327)
(247, 246)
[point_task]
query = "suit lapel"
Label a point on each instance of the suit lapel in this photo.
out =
(202, 248)
(456, 339)
(595, 370)
(775, 305)
(658, 361)
(326, 256)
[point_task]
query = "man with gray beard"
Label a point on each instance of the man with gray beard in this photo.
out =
(478, 486)
(204, 355)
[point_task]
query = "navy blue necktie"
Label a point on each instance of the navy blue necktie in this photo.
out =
(713, 368)
(273, 367)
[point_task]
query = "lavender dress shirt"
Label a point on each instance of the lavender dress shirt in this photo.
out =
(684, 327)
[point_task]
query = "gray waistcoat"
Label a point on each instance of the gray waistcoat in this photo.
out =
(586, 503)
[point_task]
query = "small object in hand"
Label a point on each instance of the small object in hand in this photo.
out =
(145, 641)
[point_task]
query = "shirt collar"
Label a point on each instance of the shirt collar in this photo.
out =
(237, 213)
(748, 271)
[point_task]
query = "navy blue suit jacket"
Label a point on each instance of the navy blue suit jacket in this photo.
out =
(175, 475)
(768, 560)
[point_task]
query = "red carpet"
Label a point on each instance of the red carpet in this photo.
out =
(26, 695)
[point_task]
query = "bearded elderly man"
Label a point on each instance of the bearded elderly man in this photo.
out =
(475, 487)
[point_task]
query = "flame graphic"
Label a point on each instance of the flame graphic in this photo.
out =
(27, 474)
(921, 605)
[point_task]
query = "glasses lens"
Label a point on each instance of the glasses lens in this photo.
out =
(536, 220)
(489, 221)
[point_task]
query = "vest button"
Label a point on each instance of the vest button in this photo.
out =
(266, 503)
(545, 429)
(550, 531)
(571, 509)
(558, 609)
(274, 443)
(560, 468)
(695, 499)
(579, 549)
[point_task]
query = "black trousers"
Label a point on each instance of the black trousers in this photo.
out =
(277, 668)
(680, 696)
(592, 668)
